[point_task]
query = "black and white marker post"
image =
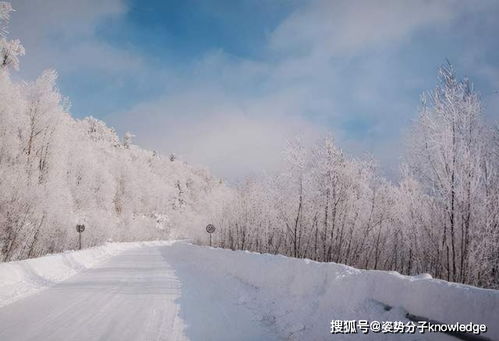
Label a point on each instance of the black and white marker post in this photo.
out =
(210, 228)
(80, 228)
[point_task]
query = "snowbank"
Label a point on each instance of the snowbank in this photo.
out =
(22, 278)
(301, 297)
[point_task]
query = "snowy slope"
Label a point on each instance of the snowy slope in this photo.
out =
(178, 291)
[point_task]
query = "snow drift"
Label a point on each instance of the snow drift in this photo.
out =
(300, 297)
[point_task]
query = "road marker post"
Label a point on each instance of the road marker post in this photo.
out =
(80, 228)
(210, 228)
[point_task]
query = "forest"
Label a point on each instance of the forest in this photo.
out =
(440, 217)
(57, 172)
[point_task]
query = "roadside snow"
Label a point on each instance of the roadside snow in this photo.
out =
(23, 278)
(299, 298)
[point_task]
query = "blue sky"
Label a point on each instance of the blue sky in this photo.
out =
(225, 83)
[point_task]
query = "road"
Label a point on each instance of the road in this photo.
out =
(146, 293)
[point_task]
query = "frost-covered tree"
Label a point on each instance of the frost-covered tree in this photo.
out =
(56, 171)
(10, 50)
(448, 155)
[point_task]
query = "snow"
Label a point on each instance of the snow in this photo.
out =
(23, 278)
(179, 291)
(141, 293)
(299, 298)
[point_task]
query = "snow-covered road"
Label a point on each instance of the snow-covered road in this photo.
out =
(136, 295)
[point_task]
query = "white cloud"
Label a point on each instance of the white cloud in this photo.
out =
(338, 27)
(231, 137)
(234, 115)
(61, 34)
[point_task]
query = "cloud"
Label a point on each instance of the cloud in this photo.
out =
(339, 27)
(338, 66)
(62, 34)
(64, 17)
(235, 114)
(233, 137)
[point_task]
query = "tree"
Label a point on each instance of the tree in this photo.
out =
(447, 156)
(10, 50)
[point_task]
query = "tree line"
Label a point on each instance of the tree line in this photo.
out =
(440, 218)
